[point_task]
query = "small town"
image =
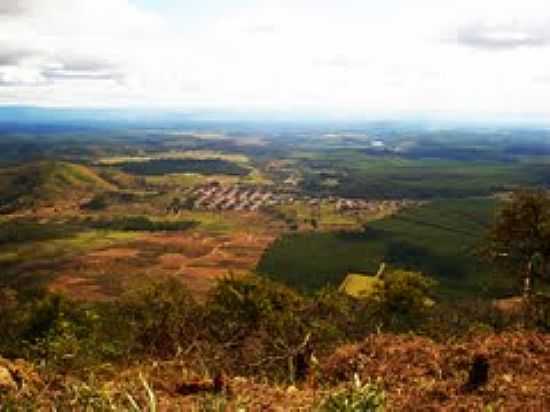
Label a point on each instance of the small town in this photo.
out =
(213, 196)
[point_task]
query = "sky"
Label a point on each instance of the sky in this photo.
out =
(352, 57)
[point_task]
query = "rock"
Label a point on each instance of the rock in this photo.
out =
(291, 389)
(19, 376)
(7, 383)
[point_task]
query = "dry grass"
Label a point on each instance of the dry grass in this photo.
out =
(416, 373)
(419, 374)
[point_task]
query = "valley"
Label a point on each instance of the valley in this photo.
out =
(177, 257)
(283, 203)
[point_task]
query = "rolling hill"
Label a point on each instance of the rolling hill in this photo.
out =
(47, 182)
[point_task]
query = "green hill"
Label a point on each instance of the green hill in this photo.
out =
(47, 181)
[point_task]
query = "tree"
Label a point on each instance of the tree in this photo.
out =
(519, 238)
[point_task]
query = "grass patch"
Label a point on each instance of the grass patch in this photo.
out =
(142, 223)
(358, 285)
(213, 222)
(55, 248)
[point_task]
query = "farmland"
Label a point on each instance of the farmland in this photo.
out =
(97, 259)
(360, 175)
(438, 239)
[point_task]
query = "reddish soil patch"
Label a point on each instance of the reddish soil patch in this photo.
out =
(77, 288)
(97, 275)
(198, 259)
(191, 245)
(233, 254)
(114, 253)
(172, 261)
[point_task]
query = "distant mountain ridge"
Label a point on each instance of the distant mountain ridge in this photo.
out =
(96, 117)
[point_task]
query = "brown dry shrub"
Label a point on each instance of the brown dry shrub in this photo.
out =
(421, 374)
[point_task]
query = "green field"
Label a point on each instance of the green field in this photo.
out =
(159, 167)
(438, 239)
(388, 176)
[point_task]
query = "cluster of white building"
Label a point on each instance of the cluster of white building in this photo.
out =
(217, 197)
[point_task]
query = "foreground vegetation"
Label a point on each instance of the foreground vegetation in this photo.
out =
(251, 328)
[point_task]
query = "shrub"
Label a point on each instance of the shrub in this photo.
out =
(369, 397)
(78, 336)
(403, 300)
(247, 326)
(339, 317)
(266, 328)
(142, 223)
(20, 231)
(248, 304)
(63, 334)
(84, 396)
(260, 323)
(162, 316)
(98, 202)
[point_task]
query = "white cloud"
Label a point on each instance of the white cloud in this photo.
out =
(504, 36)
(351, 56)
(20, 76)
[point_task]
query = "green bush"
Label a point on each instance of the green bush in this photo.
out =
(98, 202)
(261, 324)
(369, 397)
(246, 305)
(403, 300)
(456, 319)
(142, 223)
(247, 326)
(163, 317)
(63, 334)
(21, 231)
